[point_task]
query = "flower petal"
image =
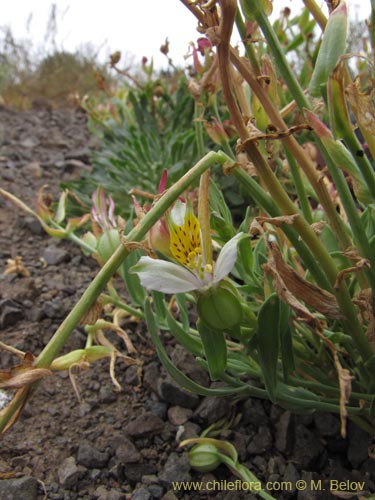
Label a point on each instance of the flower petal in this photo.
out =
(165, 277)
(227, 258)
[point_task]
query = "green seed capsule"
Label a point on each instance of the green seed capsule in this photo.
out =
(219, 308)
(108, 243)
(204, 457)
(331, 49)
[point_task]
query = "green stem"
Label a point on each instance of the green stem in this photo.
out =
(279, 56)
(267, 204)
(93, 291)
(316, 12)
(362, 161)
(249, 49)
(135, 235)
(351, 211)
(300, 188)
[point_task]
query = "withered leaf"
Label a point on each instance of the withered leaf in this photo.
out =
(24, 378)
(315, 297)
(278, 221)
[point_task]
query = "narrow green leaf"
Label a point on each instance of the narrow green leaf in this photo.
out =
(286, 344)
(215, 349)
(177, 375)
(268, 337)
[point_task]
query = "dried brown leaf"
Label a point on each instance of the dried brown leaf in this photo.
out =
(345, 384)
(315, 297)
(25, 378)
(362, 106)
(278, 221)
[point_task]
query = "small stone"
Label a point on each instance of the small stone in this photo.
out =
(327, 424)
(33, 225)
(132, 375)
(135, 472)
(188, 431)
(10, 313)
(285, 433)
(107, 395)
(90, 457)
(158, 408)
(145, 425)
(53, 255)
(253, 413)
(291, 475)
(25, 488)
(307, 447)
(178, 415)
(173, 394)
(52, 309)
(127, 452)
(141, 494)
(261, 442)
(155, 490)
(187, 363)
(358, 445)
(151, 375)
(212, 409)
(169, 496)
(68, 473)
(176, 468)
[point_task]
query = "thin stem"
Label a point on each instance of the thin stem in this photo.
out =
(316, 12)
(136, 234)
(300, 188)
(350, 322)
(298, 154)
(93, 291)
(249, 49)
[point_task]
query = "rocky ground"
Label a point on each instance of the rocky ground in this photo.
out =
(114, 446)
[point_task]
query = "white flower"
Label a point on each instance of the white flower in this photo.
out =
(190, 271)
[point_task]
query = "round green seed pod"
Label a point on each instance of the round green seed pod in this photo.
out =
(204, 457)
(108, 242)
(219, 308)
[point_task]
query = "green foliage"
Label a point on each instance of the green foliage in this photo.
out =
(153, 130)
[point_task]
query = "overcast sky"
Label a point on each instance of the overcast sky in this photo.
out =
(136, 27)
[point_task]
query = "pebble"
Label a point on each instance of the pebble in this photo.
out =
(144, 425)
(24, 488)
(358, 445)
(261, 442)
(327, 424)
(68, 473)
(170, 392)
(10, 313)
(177, 415)
(212, 409)
(54, 255)
(90, 457)
(141, 494)
(285, 433)
(307, 447)
(176, 468)
(158, 408)
(127, 452)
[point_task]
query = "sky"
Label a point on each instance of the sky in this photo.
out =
(137, 27)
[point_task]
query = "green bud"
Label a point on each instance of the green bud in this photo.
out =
(108, 242)
(220, 308)
(204, 457)
(331, 49)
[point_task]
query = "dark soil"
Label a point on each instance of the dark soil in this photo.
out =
(125, 445)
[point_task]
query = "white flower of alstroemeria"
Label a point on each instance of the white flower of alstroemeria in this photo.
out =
(190, 271)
